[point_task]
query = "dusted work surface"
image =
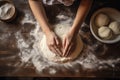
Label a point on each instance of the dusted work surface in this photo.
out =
(20, 54)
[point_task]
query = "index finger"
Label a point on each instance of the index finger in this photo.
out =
(66, 48)
(57, 47)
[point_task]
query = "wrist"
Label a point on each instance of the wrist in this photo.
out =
(47, 29)
(73, 31)
(47, 32)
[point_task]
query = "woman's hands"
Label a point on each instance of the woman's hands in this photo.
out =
(61, 48)
(53, 43)
(69, 42)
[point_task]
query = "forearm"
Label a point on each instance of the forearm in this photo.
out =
(39, 13)
(81, 14)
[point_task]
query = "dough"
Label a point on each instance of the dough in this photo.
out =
(102, 20)
(60, 30)
(6, 11)
(115, 27)
(105, 32)
(66, 2)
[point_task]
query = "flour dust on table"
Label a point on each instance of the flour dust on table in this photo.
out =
(31, 53)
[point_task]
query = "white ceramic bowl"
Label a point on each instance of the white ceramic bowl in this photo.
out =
(114, 15)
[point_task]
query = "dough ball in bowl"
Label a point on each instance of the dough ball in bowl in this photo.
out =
(113, 15)
(105, 32)
(102, 19)
(115, 27)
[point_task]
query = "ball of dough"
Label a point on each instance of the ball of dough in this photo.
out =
(105, 32)
(60, 30)
(102, 19)
(115, 27)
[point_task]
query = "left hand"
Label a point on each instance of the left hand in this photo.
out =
(69, 42)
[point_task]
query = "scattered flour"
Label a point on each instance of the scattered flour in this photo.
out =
(33, 55)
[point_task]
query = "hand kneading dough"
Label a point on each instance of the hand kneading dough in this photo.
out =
(102, 20)
(60, 30)
(115, 27)
(105, 32)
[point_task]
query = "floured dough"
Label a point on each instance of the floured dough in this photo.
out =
(115, 27)
(102, 19)
(105, 32)
(60, 30)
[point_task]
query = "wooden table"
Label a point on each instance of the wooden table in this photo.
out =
(10, 62)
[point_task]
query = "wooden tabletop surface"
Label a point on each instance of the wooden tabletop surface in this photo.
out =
(10, 61)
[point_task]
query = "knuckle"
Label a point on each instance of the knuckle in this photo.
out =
(49, 47)
(51, 44)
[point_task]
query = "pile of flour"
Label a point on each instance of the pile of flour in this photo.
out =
(30, 53)
(5, 11)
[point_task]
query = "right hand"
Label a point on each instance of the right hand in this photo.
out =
(53, 43)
